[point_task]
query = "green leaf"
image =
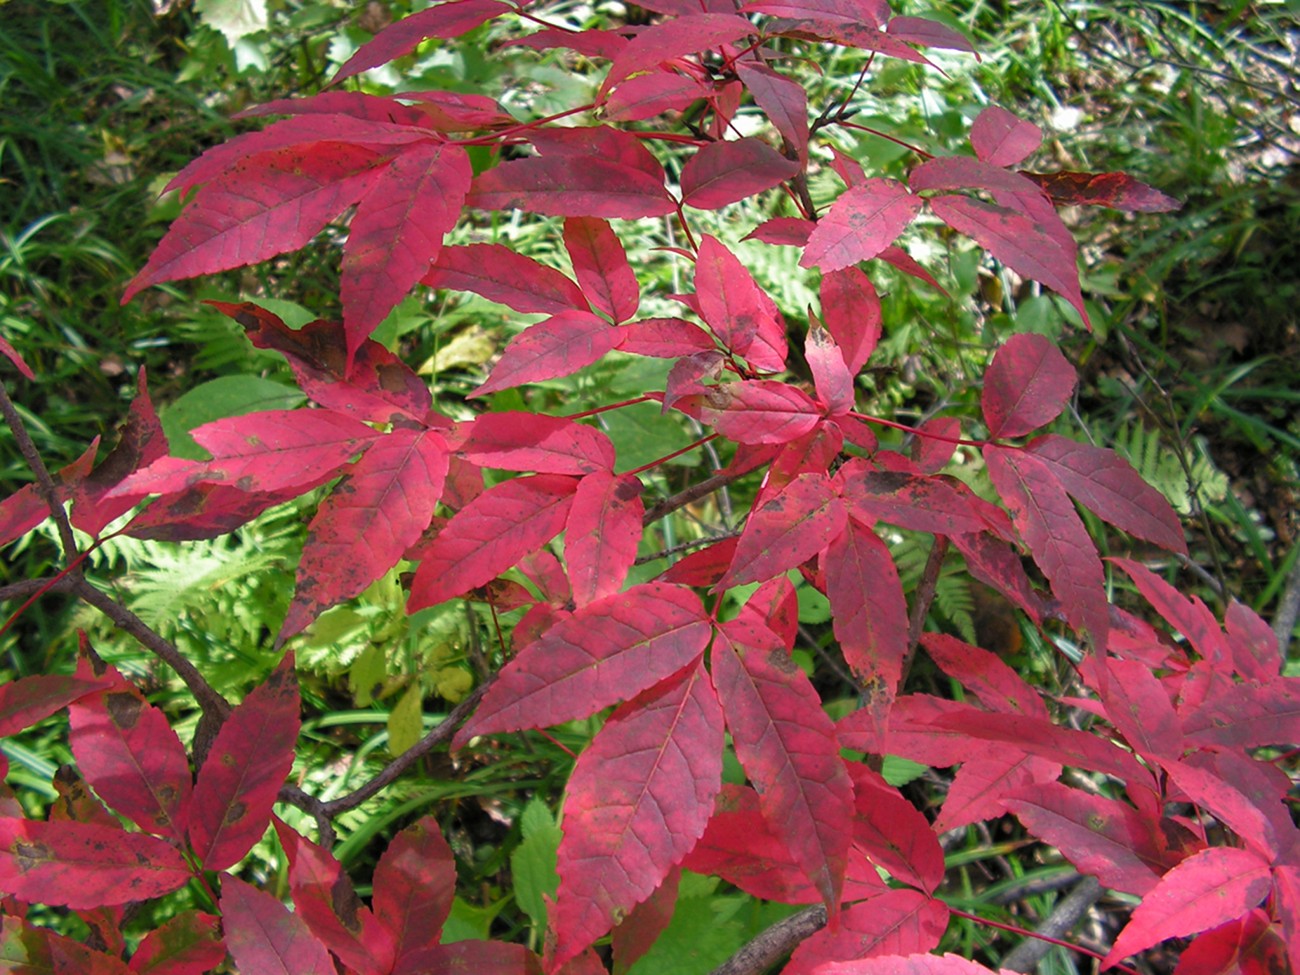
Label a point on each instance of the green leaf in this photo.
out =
(533, 863)
(406, 721)
(218, 399)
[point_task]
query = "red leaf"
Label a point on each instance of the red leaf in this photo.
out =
(1110, 488)
(1205, 890)
(831, 377)
(860, 224)
(851, 311)
(935, 445)
(774, 605)
(1065, 745)
(868, 612)
(1230, 806)
(188, 944)
(397, 230)
(786, 529)
(132, 757)
(26, 949)
(740, 847)
(787, 745)
(1139, 708)
(533, 442)
(10, 353)
(265, 205)
(1028, 247)
(992, 562)
(244, 769)
(664, 338)
(142, 442)
(1247, 715)
(978, 789)
(1055, 535)
(1118, 190)
(1248, 945)
(557, 186)
(893, 922)
(582, 144)
(894, 833)
(27, 700)
(354, 104)
(415, 881)
(921, 503)
(374, 514)
(786, 231)
(729, 299)
(491, 534)
(1254, 645)
(672, 39)
(263, 937)
(602, 534)
(258, 452)
(499, 274)
(1027, 385)
(601, 267)
(477, 957)
(446, 20)
(1001, 139)
(301, 135)
(648, 95)
(984, 674)
(1187, 614)
(83, 865)
(703, 567)
(607, 651)
(638, 799)
(929, 33)
(727, 172)
(1102, 837)
(637, 933)
(906, 965)
(855, 31)
(757, 411)
(378, 387)
(783, 100)
(324, 898)
(208, 510)
(559, 346)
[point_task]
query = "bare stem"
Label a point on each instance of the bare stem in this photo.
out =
(775, 943)
(44, 482)
(212, 703)
(394, 769)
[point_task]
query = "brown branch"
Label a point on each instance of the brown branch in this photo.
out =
(390, 772)
(44, 482)
(693, 493)
(1025, 956)
(214, 706)
(775, 943)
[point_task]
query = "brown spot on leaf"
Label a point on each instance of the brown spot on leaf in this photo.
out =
(31, 855)
(234, 814)
(123, 708)
(346, 904)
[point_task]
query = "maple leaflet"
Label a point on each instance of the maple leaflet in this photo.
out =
(403, 483)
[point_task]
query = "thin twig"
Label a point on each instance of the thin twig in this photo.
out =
(1288, 608)
(212, 703)
(394, 769)
(44, 482)
(693, 493)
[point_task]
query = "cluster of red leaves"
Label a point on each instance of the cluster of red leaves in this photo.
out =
(1174, 723)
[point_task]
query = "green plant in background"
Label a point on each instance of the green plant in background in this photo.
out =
(369, 671)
